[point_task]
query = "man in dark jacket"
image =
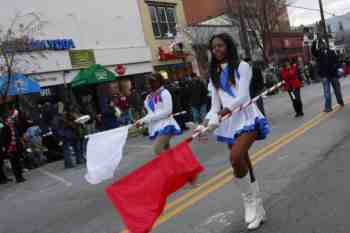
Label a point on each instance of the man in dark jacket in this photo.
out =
(198, 99)
(4, 142)
(72, 140)
(175, 90)
(327, 68)
(109, 114)
(185, 92)
(257, 85)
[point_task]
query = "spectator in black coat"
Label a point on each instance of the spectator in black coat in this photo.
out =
(198, 99)
(185, 93)
(327, 68)
(9, 149)
(257, 85)
(5, 140)
(72, 140)
(175, 90)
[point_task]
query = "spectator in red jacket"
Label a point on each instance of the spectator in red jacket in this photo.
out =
(9, 149)
(292, 85)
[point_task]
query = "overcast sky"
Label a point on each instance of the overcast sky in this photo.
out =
(300, 16)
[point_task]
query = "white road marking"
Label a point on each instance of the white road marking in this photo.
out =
(216, 223)
(222, 218)
(55, 177)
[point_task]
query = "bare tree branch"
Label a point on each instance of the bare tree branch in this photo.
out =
(13, 39)
(200, 36)
(262, 18)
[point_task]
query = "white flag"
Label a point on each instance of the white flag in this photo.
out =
(104, 153)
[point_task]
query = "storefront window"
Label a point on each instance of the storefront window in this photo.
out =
(163, 21)
(171, 20)
(155, 21)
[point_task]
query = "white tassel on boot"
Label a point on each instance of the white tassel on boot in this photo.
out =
(245, 187)
(254, 213)
(260, 214)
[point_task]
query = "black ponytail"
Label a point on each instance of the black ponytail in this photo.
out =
(232, 57)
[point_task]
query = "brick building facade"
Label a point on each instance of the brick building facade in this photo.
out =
(198, 11)
(288, 45)
(208, 9)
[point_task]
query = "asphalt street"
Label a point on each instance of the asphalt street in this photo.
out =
(302, 168)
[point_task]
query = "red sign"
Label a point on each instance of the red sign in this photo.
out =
(167, 56)
(294, 43)
(120, 69)
(287, 40)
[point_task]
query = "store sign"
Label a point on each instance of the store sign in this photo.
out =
(288, 42)
(82, 58)
(22, 45)
(60, 44)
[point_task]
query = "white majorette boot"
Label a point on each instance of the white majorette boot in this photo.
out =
(260, 213)
(249, 201)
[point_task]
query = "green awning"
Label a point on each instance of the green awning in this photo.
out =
(95, 74)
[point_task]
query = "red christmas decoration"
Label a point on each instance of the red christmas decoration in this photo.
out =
(166, 56)
(120, 69)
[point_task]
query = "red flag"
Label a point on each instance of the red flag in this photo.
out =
(140, 197)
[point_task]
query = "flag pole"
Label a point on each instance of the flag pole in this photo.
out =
(238, 109)
(132, 125)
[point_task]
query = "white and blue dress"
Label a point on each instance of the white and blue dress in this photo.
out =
(233, 96)
(159, 106)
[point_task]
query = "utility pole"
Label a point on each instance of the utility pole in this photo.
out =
(323, 23)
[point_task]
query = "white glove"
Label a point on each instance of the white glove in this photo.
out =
(142, 121)
(138, 124)
(211, 128)
(214, 122)
(145, 120)
(199, 129)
